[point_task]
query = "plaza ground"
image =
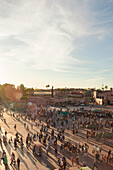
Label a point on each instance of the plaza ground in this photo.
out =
(28, 161)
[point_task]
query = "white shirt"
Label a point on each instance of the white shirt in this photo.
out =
(61, 163)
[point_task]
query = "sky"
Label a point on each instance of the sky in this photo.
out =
(63, 43)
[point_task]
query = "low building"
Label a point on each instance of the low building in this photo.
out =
(60, 97)
(103, 97)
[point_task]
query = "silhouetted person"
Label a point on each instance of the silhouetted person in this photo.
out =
(15, 126)
(18, 163)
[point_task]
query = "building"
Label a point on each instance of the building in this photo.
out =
(103, 97)
(58, 97)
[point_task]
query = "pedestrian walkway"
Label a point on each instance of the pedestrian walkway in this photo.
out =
(28, 162)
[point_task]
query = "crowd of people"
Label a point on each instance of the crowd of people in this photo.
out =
(78, 150)
(3, 156)
(51, 133)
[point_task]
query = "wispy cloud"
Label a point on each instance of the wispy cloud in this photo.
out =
(106, 70)
(95, 79)
(41, 34)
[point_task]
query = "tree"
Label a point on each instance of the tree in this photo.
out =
(106, 87)
(62, 91)
(102, 86)
(99, 90)
(22, 87)
(25, 92)
(3, 98)
(47, 86)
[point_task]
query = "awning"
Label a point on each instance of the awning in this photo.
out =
(60, 114)
(65, 113)
(74, 113)
(96, 110)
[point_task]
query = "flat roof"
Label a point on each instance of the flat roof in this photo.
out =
(42, 93)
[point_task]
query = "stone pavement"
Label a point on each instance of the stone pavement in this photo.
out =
(28, 161)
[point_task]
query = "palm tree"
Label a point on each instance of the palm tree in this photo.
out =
(103, 87)
(106, 87)
(47, 86)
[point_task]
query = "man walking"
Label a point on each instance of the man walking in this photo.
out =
(18, 163)
(15, 126)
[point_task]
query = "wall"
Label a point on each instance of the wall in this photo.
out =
(110, 99)
(99, 101)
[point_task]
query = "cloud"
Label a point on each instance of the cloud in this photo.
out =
(109, 70)
(108, 59)
(95, 79)
(40, 34)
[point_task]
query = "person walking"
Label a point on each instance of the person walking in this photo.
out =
(15, 126)
(77, 159)
(87, 136)
(72, 161)
(56, 152)
(109, 153)
(31, 126)
(1, 143)
(64, 162)
(84, 163)
(24, 125)
(61, 147)
(12, 159)
(5, 161)
(27, 141)
(61, 164)
(15, 143)
(47, 149)
(0, 157)
(27, 127)
(94, 165)
(18, 163)
(21, 143)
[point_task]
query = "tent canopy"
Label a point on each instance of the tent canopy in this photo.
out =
(64, 113)
(96, 110)
(74, 113)
(60, 114)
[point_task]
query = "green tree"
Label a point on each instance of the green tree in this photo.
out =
(25, 92)
(3, 98)
(103, 87)
(106, 87)
(99, 90)
(47, 86)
